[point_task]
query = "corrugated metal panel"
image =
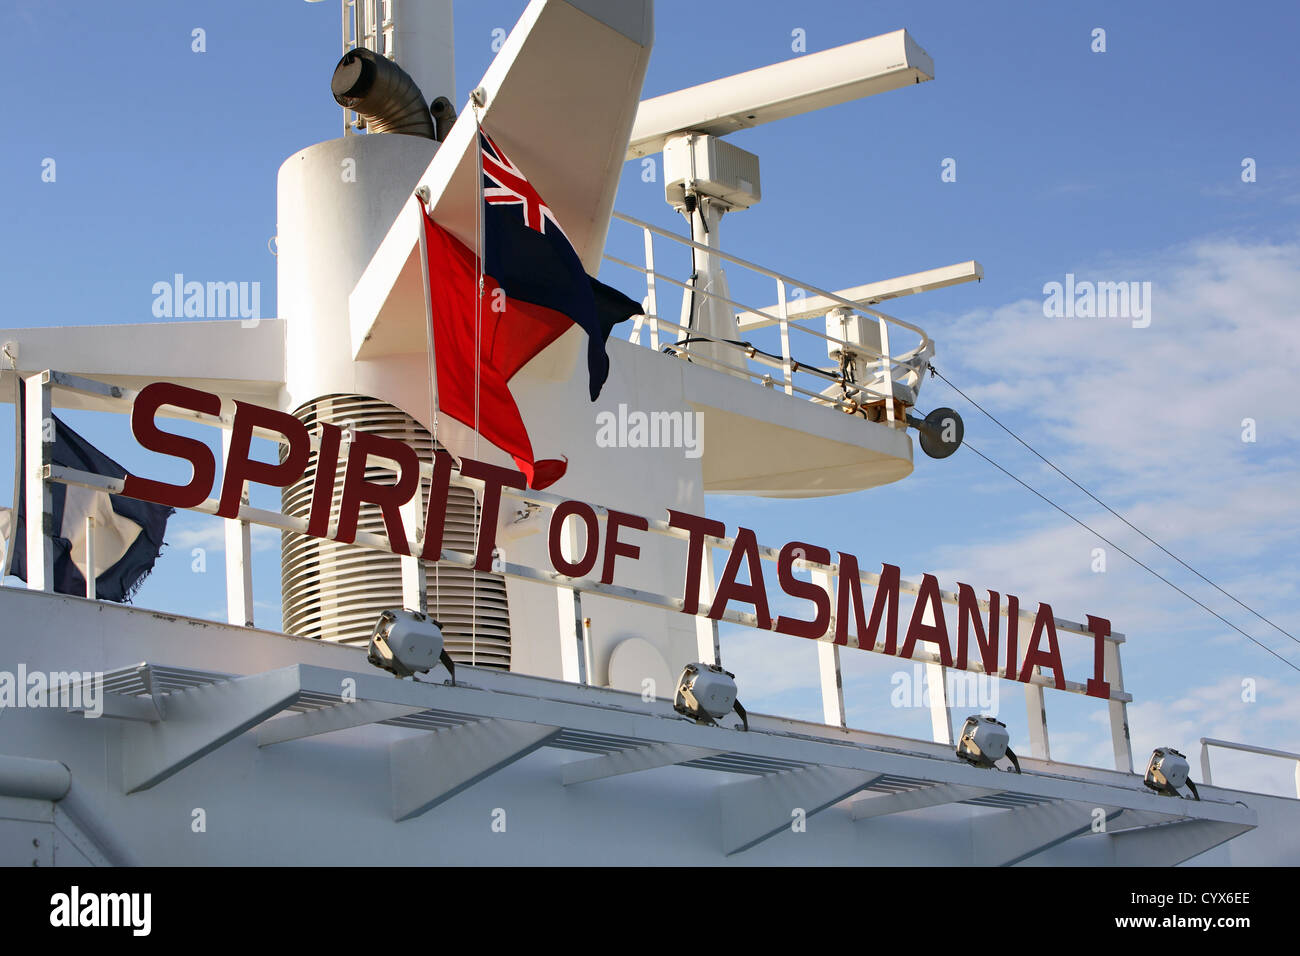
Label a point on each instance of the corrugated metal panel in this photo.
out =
(335, 592)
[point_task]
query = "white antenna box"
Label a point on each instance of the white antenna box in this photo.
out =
(713, 167)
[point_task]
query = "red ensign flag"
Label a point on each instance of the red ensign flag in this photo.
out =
(512, 332)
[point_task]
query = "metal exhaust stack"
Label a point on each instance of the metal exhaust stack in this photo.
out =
(444, 115)
(382, 93)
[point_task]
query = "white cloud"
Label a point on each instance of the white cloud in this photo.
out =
(1151, 420)
(210, 534)
(1219, 710)
(1158, 405)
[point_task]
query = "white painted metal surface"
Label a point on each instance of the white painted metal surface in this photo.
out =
(39, 428)
(319, 758)
(572, 156)
(708, 299)
(1208, 742)
(871, 293)
(781, 90)
(1036, 719)
(192, 752)
(239, 558)
(91, 572)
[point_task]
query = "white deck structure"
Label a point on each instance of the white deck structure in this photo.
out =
(509, 768)
(291, 750)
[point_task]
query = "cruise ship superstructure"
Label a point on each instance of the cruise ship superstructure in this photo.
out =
(558, 741)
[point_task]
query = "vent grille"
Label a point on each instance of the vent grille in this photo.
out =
(335, 592)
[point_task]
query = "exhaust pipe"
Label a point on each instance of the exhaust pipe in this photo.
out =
(444, 115)
(382, 94)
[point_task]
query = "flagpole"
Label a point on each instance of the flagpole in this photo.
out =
(422, 195)
(477, 99)
(11, 543)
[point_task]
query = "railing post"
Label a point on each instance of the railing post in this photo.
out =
(886, 370)
(828, 665)
(92, 573)
(39, 504)
(239, 557)
(784, 312)
(574, 653)
(1036, 712)
(936, 680)
(415, 587)
(708, 643)
(1208, 742)
(1120, 739)
(580, 636)
(652, 300)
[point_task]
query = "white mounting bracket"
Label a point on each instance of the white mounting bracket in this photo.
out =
(756, 810)
(433, 768)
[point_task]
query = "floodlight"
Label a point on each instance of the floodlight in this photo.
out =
(984, 741)
(1167, 771)
(706, 692)
(407, 643)
(940, 432)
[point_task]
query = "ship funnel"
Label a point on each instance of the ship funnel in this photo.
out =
(382, 94)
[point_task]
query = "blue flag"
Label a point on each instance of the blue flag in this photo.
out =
(527, 253)
(128, 533)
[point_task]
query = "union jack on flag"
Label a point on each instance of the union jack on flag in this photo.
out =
(528, 270)
(505, 185)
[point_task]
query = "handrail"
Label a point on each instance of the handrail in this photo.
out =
(740, 305)
(1208, 742)
(41, 386)
(753, 354)
(377, 542)
(772, 274)
(900, 362)
(883, 371)
(117, 395)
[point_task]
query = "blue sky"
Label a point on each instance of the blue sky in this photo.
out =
(1117, 166)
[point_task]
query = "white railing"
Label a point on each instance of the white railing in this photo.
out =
(41, 472)
(1208, 742)
(794, 370)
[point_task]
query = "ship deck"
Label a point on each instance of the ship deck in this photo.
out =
(323, 759)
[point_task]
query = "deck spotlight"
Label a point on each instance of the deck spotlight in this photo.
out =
(706, 693)
(1168, 771)
(408, 643)
(984, 741)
